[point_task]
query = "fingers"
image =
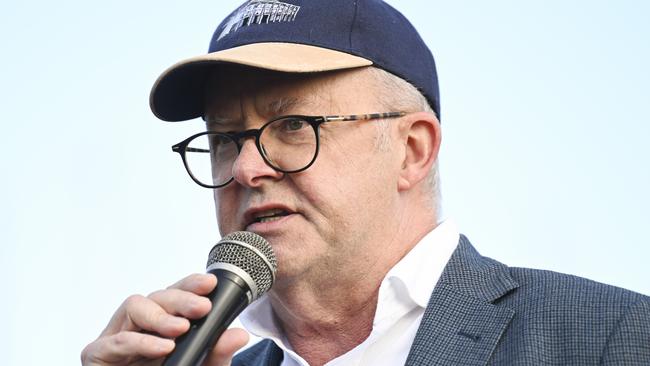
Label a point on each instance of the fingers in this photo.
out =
(154, 313)
(146, 314)
(140, 327)
(125, 347)
(141, 313)
(199, 283)
(178, 302)
(230, 342)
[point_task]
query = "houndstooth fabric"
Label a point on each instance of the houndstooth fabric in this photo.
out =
(482, 312)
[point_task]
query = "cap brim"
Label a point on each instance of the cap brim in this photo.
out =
(178, 93)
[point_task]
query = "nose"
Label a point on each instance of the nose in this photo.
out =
(249, 169)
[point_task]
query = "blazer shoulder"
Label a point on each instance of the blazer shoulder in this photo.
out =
(555, 287)
(565, 319)
(573, 303)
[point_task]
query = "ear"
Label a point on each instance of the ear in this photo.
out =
(421, 135)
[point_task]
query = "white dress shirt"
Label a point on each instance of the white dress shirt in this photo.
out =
(403, 297)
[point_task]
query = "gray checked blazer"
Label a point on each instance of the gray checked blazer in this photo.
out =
(482, 312)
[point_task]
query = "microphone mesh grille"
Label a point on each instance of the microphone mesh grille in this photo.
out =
(229, 250)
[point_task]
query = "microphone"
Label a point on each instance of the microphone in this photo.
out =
(245, 265)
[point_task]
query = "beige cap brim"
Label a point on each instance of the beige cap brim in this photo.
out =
(178, 93)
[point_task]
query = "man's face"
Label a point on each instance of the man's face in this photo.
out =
(335, 215)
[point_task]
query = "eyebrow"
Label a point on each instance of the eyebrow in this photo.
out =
(276, 108)
(282, 105)
(212, 121)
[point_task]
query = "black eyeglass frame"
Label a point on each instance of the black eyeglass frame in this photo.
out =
(314, 121)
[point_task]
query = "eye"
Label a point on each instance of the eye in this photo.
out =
(293, 124)
(220, 140)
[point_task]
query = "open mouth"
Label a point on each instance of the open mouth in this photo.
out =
(270, 215)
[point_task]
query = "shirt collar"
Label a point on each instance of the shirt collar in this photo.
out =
(418, 272)
(408, 284)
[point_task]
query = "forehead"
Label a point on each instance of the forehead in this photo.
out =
(230, 90)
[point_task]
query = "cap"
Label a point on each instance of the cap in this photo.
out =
(301, 36)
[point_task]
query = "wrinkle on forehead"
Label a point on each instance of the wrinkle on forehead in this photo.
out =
(274, 94)
(288, 105)
(278, 107)
(233, 109)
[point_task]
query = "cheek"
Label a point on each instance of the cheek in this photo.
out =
(333, 188)
(352, 151)
(356, 169)
(225, 212)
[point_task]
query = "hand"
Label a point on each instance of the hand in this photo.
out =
(141, 330)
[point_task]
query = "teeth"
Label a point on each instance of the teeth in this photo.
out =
(270, 215)
(272, 212)
(268, 219)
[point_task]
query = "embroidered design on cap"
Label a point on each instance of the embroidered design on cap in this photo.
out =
(258, 12)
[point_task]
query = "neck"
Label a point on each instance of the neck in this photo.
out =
(324, 322)
(324, 316)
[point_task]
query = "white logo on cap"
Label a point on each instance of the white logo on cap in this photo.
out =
(258, 12)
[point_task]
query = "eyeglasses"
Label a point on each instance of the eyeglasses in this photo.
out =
(288, 144)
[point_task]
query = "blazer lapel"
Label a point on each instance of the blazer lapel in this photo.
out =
(462, 325)
(263, 353)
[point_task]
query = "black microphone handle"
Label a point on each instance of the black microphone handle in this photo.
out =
(228, 300)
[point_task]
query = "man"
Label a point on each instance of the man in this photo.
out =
(330, 110)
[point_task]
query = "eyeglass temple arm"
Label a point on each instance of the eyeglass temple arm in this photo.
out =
(177, 148)
(360, 117)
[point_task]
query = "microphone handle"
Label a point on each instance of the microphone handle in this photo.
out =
(228, 300)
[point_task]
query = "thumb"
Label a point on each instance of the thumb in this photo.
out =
(230, 342)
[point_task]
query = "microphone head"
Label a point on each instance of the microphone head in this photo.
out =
(248, 255)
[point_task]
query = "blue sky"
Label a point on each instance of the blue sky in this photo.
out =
(545, 160)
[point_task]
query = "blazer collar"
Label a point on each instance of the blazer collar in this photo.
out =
(462, 324)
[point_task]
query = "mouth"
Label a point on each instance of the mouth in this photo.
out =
(258, 216)
(269, 215)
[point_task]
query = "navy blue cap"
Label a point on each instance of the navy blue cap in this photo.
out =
(301, 36)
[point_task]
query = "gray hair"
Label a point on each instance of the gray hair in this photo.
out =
(396, 94)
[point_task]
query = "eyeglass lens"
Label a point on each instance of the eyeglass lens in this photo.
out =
(287, 144)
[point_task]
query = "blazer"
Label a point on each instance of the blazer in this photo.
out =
(482, 312)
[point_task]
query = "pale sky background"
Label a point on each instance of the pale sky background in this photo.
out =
(545, 158)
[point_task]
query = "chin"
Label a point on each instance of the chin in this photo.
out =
(293, 263)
